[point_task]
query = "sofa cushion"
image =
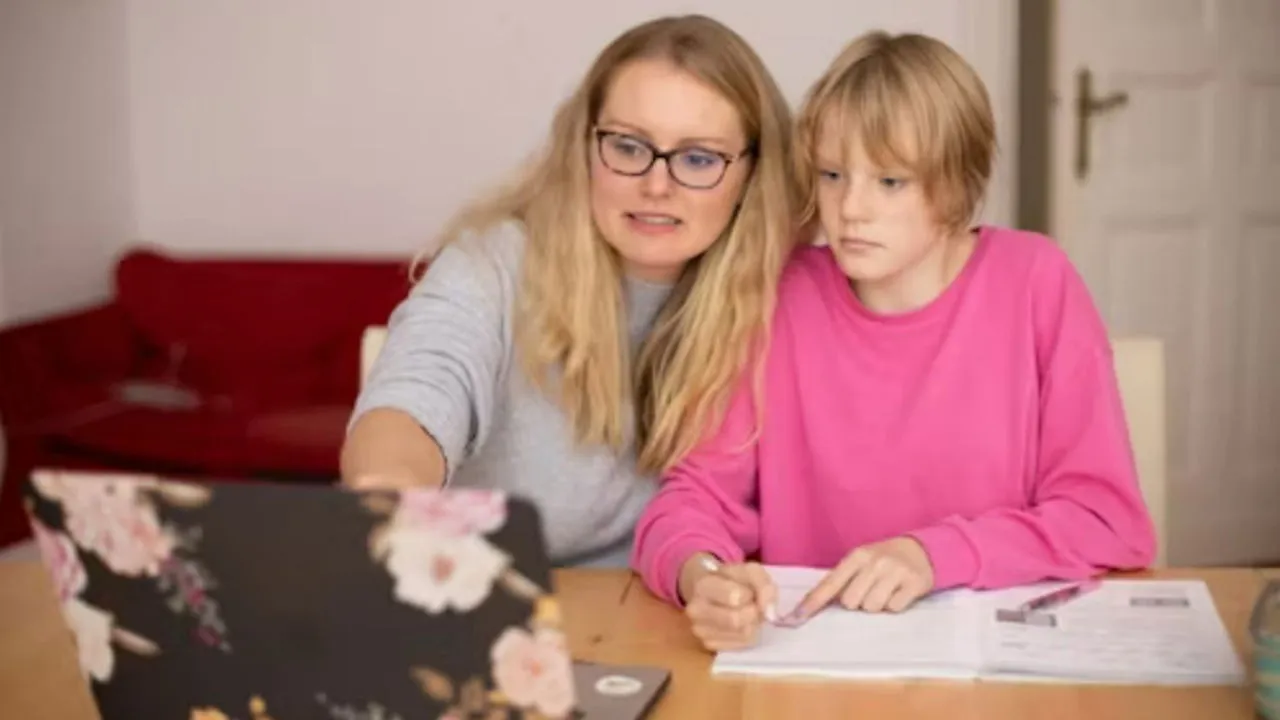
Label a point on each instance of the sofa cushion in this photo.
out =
(212, 442)
(161, 439)
(246, 325)
(210, 367)
(302, 439)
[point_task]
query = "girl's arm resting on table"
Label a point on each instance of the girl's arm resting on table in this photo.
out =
(706, 504)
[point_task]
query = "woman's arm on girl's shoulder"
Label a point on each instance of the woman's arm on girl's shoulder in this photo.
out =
(1086, 514)
(429, 398)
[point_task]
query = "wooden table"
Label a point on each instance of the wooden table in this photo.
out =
(612, 618)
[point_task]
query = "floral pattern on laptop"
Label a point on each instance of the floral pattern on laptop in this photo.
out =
(94, 631)
(435, 545)
(117, 522)
(257, 711)
(447, 594)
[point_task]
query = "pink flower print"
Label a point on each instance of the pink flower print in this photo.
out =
(92, 629)
(49, 484)
(452, 512)
(534, 670)
(63, 562)
(434, 571)
(119, 524)
(65, 487)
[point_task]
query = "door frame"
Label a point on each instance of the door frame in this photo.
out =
(1035, 104)
(990, 42)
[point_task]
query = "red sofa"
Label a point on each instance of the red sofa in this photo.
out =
(205, 367)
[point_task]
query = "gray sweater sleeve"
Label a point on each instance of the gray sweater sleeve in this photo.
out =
(448, 344)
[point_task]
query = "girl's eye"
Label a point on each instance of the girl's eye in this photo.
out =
(892, 183)
(829, 175)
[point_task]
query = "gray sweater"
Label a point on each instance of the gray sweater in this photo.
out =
(448, 362)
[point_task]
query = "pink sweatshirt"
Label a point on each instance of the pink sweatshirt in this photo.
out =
(987, 425)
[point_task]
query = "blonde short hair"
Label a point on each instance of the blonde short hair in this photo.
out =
(912, 102)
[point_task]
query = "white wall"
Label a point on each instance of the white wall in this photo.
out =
(65, 182)
(320, 126)
(314, 126)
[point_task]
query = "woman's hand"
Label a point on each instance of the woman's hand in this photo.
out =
(886, 576)
(726, 604)
(384, 481)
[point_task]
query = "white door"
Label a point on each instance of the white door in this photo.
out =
(1169, 203)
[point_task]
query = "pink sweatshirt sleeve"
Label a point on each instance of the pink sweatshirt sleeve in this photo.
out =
(1086, 513)
(705, 504)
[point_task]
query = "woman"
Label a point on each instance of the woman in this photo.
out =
(581, 322)
(942, 409)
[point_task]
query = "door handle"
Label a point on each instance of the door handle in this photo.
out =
(1086, 106)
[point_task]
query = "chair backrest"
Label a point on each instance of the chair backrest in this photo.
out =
(370, 345)
(1140, 371)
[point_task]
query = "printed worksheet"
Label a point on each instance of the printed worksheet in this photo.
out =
(937, 638)
(1158, 632)
(1125, 631)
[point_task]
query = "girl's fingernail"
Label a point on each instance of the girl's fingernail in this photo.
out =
(789, 620)
(771, 613)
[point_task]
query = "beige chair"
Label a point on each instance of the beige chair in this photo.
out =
(370, 345)
(1140, 370)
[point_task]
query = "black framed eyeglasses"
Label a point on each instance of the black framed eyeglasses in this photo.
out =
(693, 167)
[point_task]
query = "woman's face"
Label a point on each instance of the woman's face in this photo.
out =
(660, 213)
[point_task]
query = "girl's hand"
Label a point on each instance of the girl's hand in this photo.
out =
(726, 604)
(886, 576)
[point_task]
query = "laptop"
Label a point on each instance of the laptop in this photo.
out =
(266, 601)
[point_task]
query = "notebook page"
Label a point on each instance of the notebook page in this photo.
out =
(938, 637)
(1128, 632)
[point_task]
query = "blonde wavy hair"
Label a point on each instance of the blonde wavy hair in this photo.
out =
(913, 102)
(570, 324)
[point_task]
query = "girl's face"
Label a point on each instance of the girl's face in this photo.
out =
(659, 213)
(880, 225)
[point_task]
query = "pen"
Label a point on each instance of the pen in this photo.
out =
(1059, 597)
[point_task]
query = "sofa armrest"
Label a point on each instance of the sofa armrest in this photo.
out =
(57, 365)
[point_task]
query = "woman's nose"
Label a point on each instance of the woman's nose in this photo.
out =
(657, 182)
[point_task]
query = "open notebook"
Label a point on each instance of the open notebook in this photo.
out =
(1127, 631)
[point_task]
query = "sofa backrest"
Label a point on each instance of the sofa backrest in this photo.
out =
(270, 326)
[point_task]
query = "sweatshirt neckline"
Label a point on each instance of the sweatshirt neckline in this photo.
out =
(940, 306)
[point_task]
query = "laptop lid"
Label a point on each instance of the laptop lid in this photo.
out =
(261, 600)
